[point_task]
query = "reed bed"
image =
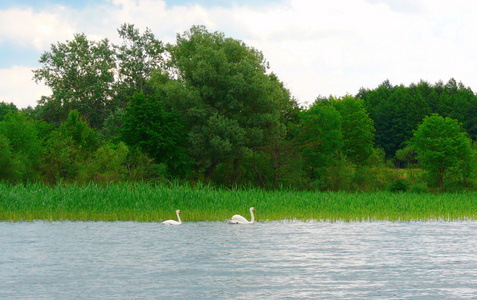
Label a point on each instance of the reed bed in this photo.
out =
(152, 203)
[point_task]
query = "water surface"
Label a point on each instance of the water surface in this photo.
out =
(215, 260)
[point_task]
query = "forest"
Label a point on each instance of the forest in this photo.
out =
(207, 110)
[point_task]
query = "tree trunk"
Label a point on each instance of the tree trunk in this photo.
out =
(210, 169)
(264, 186)
(234, 171)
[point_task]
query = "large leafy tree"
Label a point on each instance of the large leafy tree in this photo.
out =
(225, 95)
(357, 129)
(278, 161)
(8, 168)
(80, 74)
(463, 107)
(68, 147)
(138, 57)
(23, 141)
(80, 132)
(396, 112)
(320, 140)
(381, 112)
(443, 149)
(149, 126)
(5, 108)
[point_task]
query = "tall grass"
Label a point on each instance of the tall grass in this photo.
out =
(144, 202)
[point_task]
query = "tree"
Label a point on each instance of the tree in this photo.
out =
(357, 129)
(8, 169)
(62, 158)
(107, 164)
(112, 125)
(320, 139)
(381, 112)
(81, 134)
(396, 112)
(25, 144)
(68, 148)
(278, 162)
(225, 96)
(5, 108)
(463, 107)
(138, 56)
(443, 149)
(148, 126)
(80, 74)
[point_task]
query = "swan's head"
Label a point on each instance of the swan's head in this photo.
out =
(252, 208)
(178, 211)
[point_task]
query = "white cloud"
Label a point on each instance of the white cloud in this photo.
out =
(17, 86)
(28, 28)
(315, 47)
(336, 47)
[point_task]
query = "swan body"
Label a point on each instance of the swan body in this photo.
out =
(238, 219)
(174, 222)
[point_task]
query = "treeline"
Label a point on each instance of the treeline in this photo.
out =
(206, 109)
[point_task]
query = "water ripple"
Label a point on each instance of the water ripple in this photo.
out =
(204, 260)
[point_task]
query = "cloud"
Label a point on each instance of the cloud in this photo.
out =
(315, 47)
(17, 87)
(28, 28)
(336, 47)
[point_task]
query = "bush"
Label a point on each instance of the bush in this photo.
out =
(419, 188)
(399, 185)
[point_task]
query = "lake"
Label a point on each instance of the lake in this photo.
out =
(215, 260)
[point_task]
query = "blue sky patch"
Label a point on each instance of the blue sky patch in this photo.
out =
(35, 4)
(12, 55)
(78, 4)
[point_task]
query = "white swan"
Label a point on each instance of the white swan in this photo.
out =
(238, 219)
(174, 222)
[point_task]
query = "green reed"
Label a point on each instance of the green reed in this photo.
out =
(146, 202)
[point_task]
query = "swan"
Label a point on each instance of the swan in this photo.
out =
(238, 219)
(174, 222)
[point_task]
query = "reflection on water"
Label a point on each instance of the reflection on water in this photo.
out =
(274, 260)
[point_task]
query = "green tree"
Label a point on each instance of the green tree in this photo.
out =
(382, 113)
(80, 75)
(225, 96)
(68, 148)
(357, 129)
(320, 140)
(137, 58)
(463, 107)
(443, 149)
(107, 164)
(81, 134)
(277, 162)
(112, 125)
(9, 171)
(25, 144)
(158, 132)
(62, 158)
(5, 108)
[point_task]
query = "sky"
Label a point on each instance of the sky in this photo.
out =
(317, 48)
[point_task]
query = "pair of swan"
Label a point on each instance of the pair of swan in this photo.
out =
(236, 219)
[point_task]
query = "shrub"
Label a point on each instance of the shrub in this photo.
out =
(399, 185)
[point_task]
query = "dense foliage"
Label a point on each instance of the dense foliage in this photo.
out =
(207, 109)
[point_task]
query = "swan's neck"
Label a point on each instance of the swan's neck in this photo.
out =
(178, 218)
(253, 217)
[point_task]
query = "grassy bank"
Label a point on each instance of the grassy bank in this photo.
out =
(142, 202)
